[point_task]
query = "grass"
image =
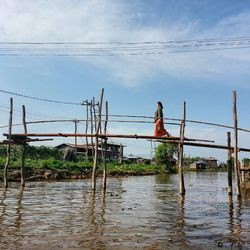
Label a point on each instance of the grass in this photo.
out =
(78, 168)
(133, 169)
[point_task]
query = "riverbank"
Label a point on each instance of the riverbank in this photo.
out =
(79, 170)
(52, 169)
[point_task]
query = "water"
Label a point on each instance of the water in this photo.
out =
(135, 212)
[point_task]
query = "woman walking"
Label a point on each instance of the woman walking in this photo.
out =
(159, 122)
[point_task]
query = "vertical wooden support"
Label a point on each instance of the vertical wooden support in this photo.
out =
(24, 149)
(237, 174)
(8, 146)
(91, 128)
(100, 132)
(96, 142)
(244, 173)
(86, 129)
(104, 181)
(100, 128)
(180, 155)
(94, 114)
(75, 138)
(121, 154)
(239, 169)
(229, 164)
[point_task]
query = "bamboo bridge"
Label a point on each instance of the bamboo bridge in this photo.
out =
(97, 134)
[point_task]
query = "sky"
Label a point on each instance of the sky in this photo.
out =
(133, 83)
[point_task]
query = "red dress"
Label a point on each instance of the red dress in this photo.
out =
(159, 124)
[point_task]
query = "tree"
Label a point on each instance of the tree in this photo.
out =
(189, 160)
(246, 161)
(164, 153)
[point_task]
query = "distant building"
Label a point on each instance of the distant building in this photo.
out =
(198, 165)
(136, 159)
(114, 150)
(173, 161)
(205, 163)
(211, 162)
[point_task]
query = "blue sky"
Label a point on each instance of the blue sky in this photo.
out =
(133, 84)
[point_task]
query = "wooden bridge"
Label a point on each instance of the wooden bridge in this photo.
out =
(97, 133)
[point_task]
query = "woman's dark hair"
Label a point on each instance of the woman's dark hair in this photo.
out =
(160, 104)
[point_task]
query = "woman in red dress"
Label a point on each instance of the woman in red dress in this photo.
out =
(159, 122)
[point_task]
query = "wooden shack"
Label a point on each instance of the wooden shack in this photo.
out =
(114, 150)
(205, 163)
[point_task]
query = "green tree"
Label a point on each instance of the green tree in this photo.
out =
(164, 153)
(246, 161)
(189, 160)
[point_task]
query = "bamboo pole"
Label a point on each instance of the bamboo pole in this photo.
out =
(202, 145)
(100, 132)
(229, 164)
(235, 118)
(7, 163)
(4, 142)
(94, 114)
(180, 155)
(239, 168)
(75, 138)
(96, 142)
(24, 149)
(86, 129)
(171, 139)
(91, 129)
(121, 153)
(99, 118)
(134, 136)
(244, 173)
(104, 181)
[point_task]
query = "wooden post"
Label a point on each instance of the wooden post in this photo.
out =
(244, 173)
(24, 149)
(8, 146)
(237, 175)
(100, 128)
(100, 132)
(239, 169)
(96, 142)
(94, 114)
(75, 138)
(121, 154)
(229, 164)
(86, 130)
(104, 181)
(180, 155)
(91, 128)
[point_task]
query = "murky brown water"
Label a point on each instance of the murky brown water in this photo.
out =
(136, 212)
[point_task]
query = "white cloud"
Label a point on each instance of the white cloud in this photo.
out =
(98, 20)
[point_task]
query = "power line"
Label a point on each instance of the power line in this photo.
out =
(39, 99)
(137, 47)
(5, 108)
(242, 38)
(120, 54)
(120, 48)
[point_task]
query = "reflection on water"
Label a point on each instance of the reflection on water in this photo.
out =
(144, 212)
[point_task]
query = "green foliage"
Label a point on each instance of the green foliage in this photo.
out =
(43, 152)
(41, 158)
(189, 160)
(246, 161)
(33, 152)
(164, 153)
(134, 168)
